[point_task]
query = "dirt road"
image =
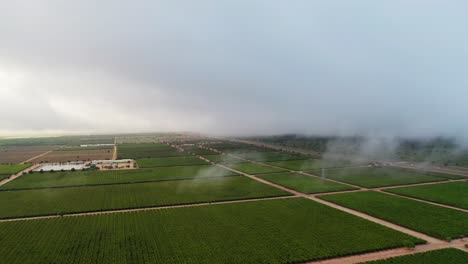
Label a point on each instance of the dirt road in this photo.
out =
(11, 178)
(114, 154)
(38, 156)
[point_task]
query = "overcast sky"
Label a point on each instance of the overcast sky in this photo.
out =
(238, 67)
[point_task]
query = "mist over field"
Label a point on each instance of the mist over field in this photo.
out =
(380, 69)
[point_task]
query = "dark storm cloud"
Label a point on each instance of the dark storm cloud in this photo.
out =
(339, 67)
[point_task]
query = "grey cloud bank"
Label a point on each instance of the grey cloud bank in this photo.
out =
(386, 68)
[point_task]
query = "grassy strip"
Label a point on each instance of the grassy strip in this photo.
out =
(278, 231)
(305, 184)
(452, 193)
(102, 198)
(430, 219)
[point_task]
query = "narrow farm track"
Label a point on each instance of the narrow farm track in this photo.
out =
(11, 178)
(38, 156)
(432, 243)
(429, 239)
(145, 209)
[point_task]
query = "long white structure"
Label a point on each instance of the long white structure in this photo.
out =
(59, 167)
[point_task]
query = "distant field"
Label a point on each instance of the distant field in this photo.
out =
(253, 168)
(433, 220)
(313, 164)
(170, 161)
(79, 178)
(85, 148)
(238, 148)
(18, 154)
(75, 155)
(7, 170)
(452, 193)
(380, 177)
(224, 159)
(271, 156)
(107, 197)
(441, 256)
(148, 150)
(199, 151)
(281, 231)
(137, 139)
(305, 184)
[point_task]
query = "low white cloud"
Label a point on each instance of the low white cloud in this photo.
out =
(242, 67)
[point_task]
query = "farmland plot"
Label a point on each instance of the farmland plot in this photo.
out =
(380, 177)
(430, 219)
(82, 178)
(253, 168)
(170, 161)
(280, 231)
(7, 170)
(445, 256)
(123, 196)
(18, 154)
(148, 150)
(452, 193)
(305, 184)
